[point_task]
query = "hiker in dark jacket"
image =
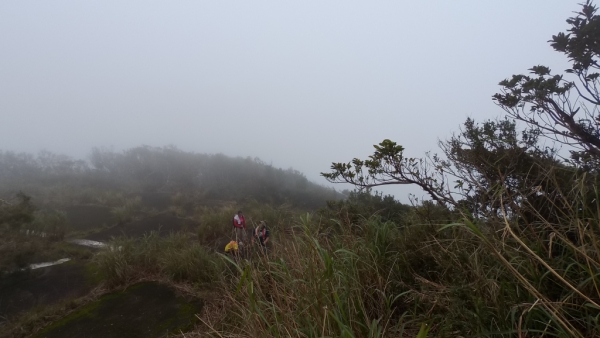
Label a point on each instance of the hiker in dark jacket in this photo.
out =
(261, 234)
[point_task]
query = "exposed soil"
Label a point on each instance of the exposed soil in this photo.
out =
(88, 217)
(143, 310)
(22, 290)
(164, 224)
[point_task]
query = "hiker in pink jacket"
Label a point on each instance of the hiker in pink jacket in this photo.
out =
(239, 224)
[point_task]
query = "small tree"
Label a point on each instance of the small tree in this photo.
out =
(492, 162)
(485, 167)
(565, 110)
(389, 166)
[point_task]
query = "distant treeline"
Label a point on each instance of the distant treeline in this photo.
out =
(169, 170)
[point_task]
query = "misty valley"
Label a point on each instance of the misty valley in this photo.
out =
(65, 220)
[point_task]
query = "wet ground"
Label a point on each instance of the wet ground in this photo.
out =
(23, 290)
(144, 310)
(87, 243)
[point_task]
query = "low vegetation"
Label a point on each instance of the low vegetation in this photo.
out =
(176, 257)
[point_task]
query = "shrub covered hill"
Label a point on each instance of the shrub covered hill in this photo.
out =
(57, 180)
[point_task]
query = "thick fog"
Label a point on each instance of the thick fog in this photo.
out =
(297, 84)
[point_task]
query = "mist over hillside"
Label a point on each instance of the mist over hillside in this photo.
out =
(166, 170)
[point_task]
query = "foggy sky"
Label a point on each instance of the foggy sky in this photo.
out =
(299, 84)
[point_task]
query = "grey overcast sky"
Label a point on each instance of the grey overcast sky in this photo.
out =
(299, 84)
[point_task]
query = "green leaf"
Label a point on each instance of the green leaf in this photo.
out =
(423, 331)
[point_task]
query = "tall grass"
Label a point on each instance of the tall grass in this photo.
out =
(177, 257)
(484, 278)
(317, 285)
